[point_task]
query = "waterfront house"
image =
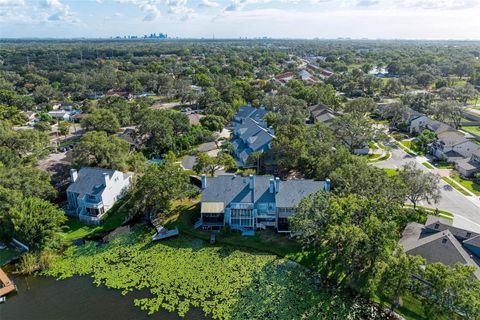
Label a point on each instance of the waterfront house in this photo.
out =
(95, 190)
(440, 240)
(254, 202)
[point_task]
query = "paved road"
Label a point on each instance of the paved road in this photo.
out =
(466, 209)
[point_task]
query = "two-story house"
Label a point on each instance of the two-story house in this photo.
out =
(254, 202)
(95, 190)
(250, 133)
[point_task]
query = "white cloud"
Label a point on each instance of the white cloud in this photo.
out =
(149, 7)
(208, 4)
(12, 3)
(58, 11)
(438, 4)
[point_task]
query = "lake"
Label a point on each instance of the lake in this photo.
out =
(77, 298)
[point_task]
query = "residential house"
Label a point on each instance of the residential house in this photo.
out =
(452, 146)
(440, 240)
(285, 77)
(321, 113)
(304, 75)
(418, 122)
(60, 115)
(95, 190)
(129, 136)
(254, 202)
(250, 133)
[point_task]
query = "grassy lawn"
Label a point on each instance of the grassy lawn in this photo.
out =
(469, 184)
(401, 146)
(443, 165)
(75, 229)
(454, 185)
(428, 165)
(472, 129)
(391, 172)
(442, 213)
(7, 254)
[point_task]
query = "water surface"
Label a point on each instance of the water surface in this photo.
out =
(77, 298)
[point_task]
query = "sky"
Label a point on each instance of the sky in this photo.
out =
(373, 19)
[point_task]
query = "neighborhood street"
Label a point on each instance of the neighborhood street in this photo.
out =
(466, 209)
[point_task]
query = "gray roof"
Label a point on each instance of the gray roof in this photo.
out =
(228, 189)
(90, 180)
(245, 111)
(291, 192)
(444, 224)
(467, 164)
(322, 113)
(437, 247)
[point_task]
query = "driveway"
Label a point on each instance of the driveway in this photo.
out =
(211, 149)
(466, 209)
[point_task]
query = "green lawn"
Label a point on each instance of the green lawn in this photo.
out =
(74, 229)
(443, 165)
(428, 165)
(472, 129)
(469, 184)
(186, 212)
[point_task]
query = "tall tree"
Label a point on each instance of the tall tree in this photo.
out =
(419, 185)
(36, 222)
(101, 120)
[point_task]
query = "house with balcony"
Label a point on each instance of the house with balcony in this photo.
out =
(253, 202)
(250, 133)
(94, 191)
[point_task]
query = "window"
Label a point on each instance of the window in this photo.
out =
(469, 234)
(444, 240)
(437, 226)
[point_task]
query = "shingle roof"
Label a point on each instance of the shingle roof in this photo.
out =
(229, 189)
(90, 180)
(437, 247)
(291, 192)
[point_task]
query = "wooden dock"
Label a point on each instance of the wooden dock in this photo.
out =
(6, 285)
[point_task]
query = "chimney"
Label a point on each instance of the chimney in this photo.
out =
(106, 178)
(251, 182)
(327, 185)
(271, 187)
(277, 184)
(73, 175)
(204, 181)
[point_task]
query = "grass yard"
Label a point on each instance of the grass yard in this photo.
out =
(186, 213)
(469, 184)
(391, 172)
(443, 165)
(225, 282)
(472, 129)
(75, 229)
(428, 165)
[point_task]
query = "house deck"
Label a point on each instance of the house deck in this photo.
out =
(6, 285)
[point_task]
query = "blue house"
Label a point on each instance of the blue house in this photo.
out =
(250, 133)
(254, 202)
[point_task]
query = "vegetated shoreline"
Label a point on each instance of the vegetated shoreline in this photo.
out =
(109, 265)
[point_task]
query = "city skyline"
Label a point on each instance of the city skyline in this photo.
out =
(372, 19)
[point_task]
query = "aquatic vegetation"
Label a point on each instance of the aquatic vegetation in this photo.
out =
(225, 282)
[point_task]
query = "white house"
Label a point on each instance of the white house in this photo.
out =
(95, 190)
(60, 114)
